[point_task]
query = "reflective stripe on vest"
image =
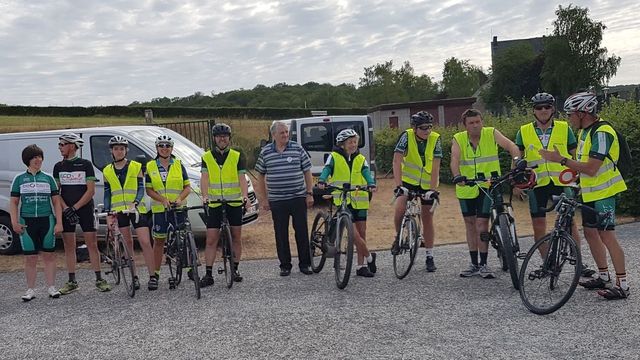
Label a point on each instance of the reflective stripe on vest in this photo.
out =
(607, 181)
(173, 187)
(546, 171)
(122, 196)
(484, 159)
(224, 182)
(342, 174)
(413, 172)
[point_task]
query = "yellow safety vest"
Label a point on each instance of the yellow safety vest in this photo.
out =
(483, 160)
(122, 196)
(413, 171)
(342, 174)
(607, 181)
(547, 170)
(173, 187)
(224, 182)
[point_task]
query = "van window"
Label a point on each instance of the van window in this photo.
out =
(322, 137)
(101, 154)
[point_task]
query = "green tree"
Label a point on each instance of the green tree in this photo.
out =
(382, 84)
(461, 79)
(573, 56)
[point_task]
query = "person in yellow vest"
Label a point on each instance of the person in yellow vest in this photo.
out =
(474, 154)
(546, 133)
(223, 177)
(167, 183)
(416, 167)
(124, 189)
(600, 182)
(345, 164)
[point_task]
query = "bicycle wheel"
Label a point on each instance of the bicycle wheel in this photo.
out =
(227, 256)
(507, 240)
(126, 267)
(192, 261)
(110, 260)
(408, 245)
(546, 284)
(318, 241)
(343, 259)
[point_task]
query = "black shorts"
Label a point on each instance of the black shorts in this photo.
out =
(357, 214)
(38, 235)
(418, 188)
(234, 215)
(125, 220)
(479, 206)
(539, 197)
(87, 220)
(591, 219)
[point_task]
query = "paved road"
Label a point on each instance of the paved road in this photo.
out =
(427, 315)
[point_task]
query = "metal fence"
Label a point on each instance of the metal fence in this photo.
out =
(196, 130)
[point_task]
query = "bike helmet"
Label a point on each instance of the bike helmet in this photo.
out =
(543, 98)
(525, 179)
(118, 140)
(345, 134)
(72, 138)
(420, 118)
(164, 139)
(221, 129)
(582, 101)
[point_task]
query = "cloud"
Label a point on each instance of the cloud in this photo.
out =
(100, 53)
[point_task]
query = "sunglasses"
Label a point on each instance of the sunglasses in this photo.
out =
(425, 127)
(540, 107)
(61, 144)
(165, 146)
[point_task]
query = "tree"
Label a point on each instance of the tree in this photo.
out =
(573, 56)
(382, 84)
(461, 79)
(515, 76)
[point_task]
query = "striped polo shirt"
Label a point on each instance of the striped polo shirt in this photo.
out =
(284, 172)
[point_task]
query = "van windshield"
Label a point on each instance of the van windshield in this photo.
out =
(188, 152)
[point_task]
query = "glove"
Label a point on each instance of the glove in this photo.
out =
(400, 191)
(521, 164)
(71, 216)
(459, 178)
(431, 195)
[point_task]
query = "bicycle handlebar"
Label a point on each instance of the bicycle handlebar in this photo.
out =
(556, 200)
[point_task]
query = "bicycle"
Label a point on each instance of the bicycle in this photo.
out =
(556, 271)
(409, 235)
(332, 236)
(502, 227)
(116, 254)
(180, 248)
(226, 240)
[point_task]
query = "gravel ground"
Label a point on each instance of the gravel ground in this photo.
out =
(426, 315)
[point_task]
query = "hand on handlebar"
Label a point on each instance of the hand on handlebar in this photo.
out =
(431, 195)
(322, 185)
(459, 180)
(400, 191)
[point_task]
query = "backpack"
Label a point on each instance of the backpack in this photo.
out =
(625, 161)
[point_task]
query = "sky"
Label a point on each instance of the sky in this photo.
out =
(96, 52)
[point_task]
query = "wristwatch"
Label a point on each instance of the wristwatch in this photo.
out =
(563, 162)
(310, 193)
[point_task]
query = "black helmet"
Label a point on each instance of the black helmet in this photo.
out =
(543, 98)
(221, 129)
(420, 118)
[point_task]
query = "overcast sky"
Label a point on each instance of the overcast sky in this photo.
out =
(113, 52)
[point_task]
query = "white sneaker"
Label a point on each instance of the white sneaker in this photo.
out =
(53, 292)
(29, 295)
(486, 272)
(472, 270)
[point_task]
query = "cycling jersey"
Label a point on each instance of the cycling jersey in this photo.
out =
(73, 175)
(35, 192)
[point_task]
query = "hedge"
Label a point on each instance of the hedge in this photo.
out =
(172, 112)
(622, 114)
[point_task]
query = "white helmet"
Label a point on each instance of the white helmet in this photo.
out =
(164, 139)
(72, 138)
(345, 134)
(118, 140)
(582, 101)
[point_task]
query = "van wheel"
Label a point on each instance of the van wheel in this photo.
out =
(9, 240)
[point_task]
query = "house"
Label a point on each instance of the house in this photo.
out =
(446, 112)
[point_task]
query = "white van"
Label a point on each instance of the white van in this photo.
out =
(141, 148)
(317, 135)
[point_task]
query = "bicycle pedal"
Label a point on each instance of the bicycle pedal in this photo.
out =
(522, 256)
(220, 270)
